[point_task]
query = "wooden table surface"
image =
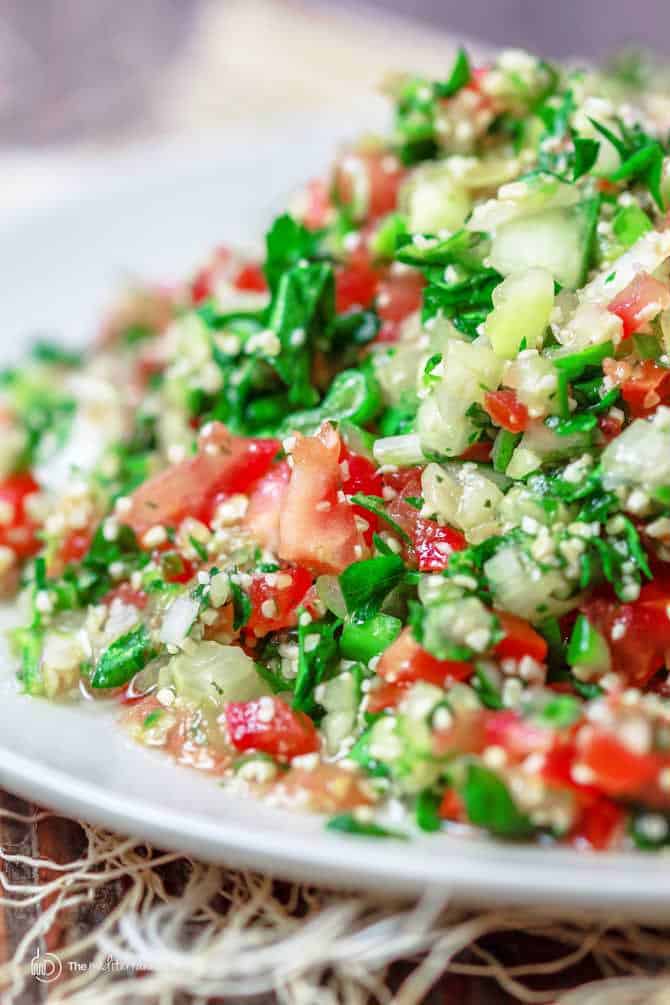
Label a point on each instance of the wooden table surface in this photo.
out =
(62, 840)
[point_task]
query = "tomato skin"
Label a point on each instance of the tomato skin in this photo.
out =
(599, 825)
(286, 599)
(646, 388)
(405, 661)
(317, 525)
(520, 639)
(360, 475)
(264, 510)
(125, 593)
(431, 543)
(319, 206)
(19, 533)
(284, 734)
(479, 452)
(250, 279)
(398, 296)
(190, 487)
(356, 282)
(451, 807)
(639, 652)
(506, 410)
(633, 301)
(617, 770)
(75, 546)
(379, 172)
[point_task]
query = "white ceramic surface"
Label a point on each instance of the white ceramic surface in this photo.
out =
(156, 213)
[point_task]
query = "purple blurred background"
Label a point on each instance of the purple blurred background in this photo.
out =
(80, 69)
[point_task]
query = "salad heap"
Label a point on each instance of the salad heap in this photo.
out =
(380, 526)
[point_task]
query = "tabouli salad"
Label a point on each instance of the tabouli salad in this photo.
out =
(379, 526)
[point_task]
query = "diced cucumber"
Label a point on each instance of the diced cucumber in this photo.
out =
(211, 673)
(341, 698)
(559, 240)
(434, 201)
(522, 306)
(587, 647)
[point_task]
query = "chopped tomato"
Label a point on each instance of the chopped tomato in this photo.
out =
(327, 788)
(647, 387)
(224, 463)
(520, 639)
(431, 543)
(75, 546)
(471, 733)
(361, 475)
(406, 661)
(479, 452)
(128, 595)
(274, 597)
(398, 296)
(642, 636)
(318, 205)
(388, 695)
(18, 531)
(639, 302)
(451, 807)
(356, 282)
(369, 182)
(202, 286)
(317, 526)
(271, 726)
(265, 502)
(516, 735)
(599, 825)
(506, 410)
(176, 568)
(250, 279)
(616, 769)
(610, 425)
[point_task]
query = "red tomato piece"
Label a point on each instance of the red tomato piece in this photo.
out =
(518, 736)
(646, 388)
(271, 726)
(641, 300)
(398, 296)
(75, 546)
(250, 279)
(431, 543)
(128, 595)
(224, 464)
(356, 282)
(451, 807)
(599, 825)
(388, 695)
(406, 661)
(274, 600)
(18, 531)
(265, 502)
(319, 206)
(617, 770)
(317, 526)
(182, 571)
(520, 639)
(360, 475)
(506, 410)
(370, 181)
(479, 452)
(642, 635)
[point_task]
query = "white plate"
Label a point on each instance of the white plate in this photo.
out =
(157, 214)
